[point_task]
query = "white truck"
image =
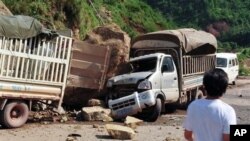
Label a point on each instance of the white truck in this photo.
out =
(166, 67)
(230, 64)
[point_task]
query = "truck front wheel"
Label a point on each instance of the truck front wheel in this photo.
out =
(14, 114)
(154, 111)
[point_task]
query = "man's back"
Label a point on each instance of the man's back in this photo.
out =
(208, 119)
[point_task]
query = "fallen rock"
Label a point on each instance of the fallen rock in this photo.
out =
(95, 126)
(132, 122)
(64, 119)
(172, 139)
(96, 102)
(120, 132)
(96, 113)
(73, 137)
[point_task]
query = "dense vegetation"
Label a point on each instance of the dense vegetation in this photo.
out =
(228, 20)
(133, 16)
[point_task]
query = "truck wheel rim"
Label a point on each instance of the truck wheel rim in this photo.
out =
(16, 113)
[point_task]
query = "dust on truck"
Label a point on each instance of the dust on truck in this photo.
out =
(34, 64)
(165, 67)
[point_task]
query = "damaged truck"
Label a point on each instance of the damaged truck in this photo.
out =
(165, 67)
(37, 64)
(34, 64)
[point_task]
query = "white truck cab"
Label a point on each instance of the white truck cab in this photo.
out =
(230, 64)
(146, 72)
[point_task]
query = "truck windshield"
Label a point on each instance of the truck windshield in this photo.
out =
(143, 65)
(222, 62)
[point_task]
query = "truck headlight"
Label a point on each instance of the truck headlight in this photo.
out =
(109, 83)
(145, 85)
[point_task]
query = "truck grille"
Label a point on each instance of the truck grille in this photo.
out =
(123, 104)
(124, 90)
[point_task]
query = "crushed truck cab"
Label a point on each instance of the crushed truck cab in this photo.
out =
(132, 104)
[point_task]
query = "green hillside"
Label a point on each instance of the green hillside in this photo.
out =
(133, 16)
(228, 20)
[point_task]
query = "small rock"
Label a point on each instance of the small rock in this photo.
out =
(45, 122)
(95, 126)
(172, 139)
(177, 128)
(120, 132)
(96, 102)
(73, 137)
(64, 119)
(96, 113)
(132, 122)
(240, 95)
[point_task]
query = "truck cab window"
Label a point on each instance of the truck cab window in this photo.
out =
(167, 65)
(143, 65)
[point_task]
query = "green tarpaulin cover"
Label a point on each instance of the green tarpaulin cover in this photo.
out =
(23, 27)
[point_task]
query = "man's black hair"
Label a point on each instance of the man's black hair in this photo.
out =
(215, 82)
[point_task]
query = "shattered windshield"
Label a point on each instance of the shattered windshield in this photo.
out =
(143, 65)
(221, 62)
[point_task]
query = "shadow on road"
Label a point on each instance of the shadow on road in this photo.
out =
(104, 137)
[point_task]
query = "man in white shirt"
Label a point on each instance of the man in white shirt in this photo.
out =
(210, 119)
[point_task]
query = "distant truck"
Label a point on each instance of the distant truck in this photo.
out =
(36, 65)
(230, 64)
(165, 67)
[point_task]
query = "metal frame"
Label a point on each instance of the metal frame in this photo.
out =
(198, 64)
(35, 61)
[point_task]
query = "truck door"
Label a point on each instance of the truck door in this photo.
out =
(169, 79)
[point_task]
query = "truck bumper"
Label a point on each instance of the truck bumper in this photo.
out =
(131, 104)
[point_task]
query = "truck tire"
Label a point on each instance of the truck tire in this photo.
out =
(155, 112)
(14, 114)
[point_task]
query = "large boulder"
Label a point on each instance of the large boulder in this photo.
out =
(108, 36)
(120, 132)
(111, 36)
(96, 113)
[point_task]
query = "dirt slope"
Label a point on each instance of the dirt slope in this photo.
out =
(4, 10)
